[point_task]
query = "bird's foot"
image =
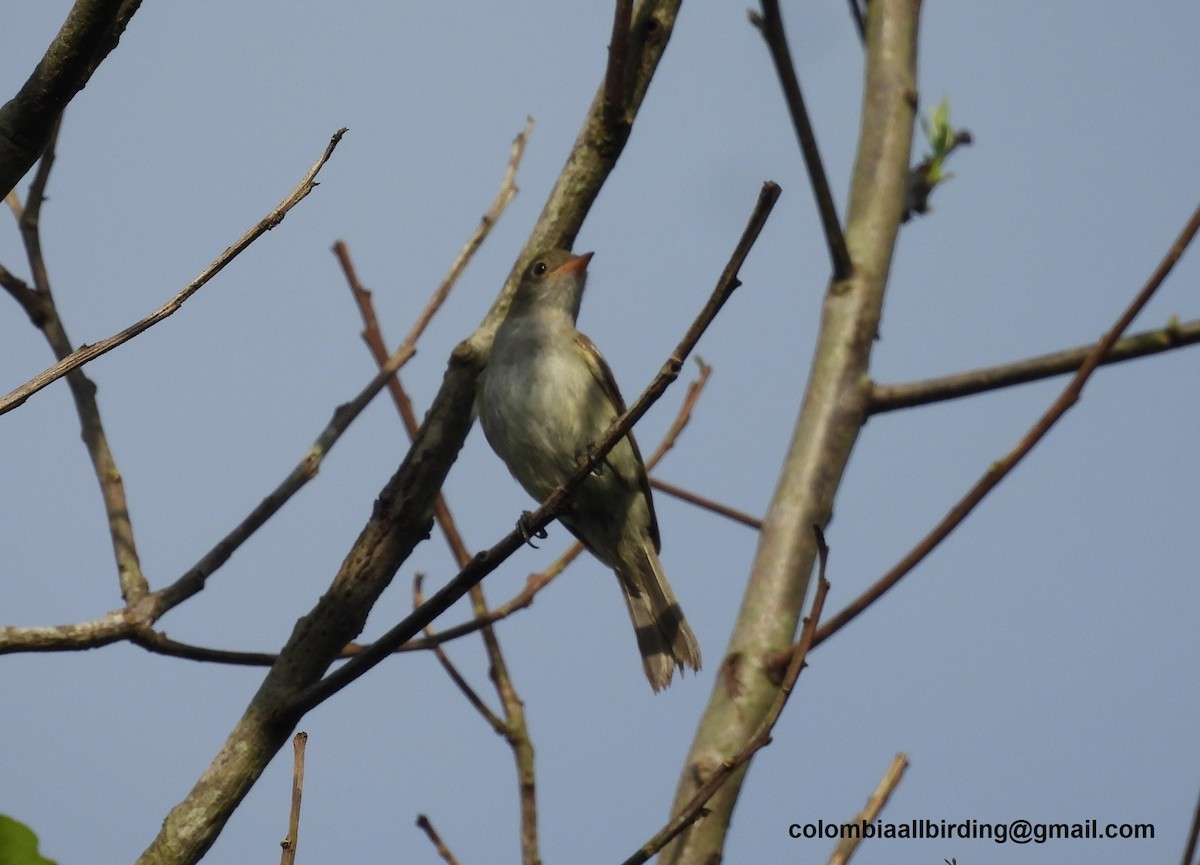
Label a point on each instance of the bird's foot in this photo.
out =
(594, 467)
(523, 528)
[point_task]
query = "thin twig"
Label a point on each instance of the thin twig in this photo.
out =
(288, 856)
(708, 504)
(508, 189)
(886, 398)
(485, 562)
(694, 809)
(86, 353)
(1000, 469)
(134, 622)
(438, 844)
(132, 581)
(399, 519)
(513, 727)
(121, 624)
(306, 470)
(1189, 849)
(683, 417)
(372, 335)
(19, 289)
(497, 724)
(770, 25)
(860, 25)
(846, 847)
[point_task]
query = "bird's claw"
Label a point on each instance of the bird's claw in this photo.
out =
(523, 528)
(594, 467)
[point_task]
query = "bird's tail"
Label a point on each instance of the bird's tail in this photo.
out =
(663, 635)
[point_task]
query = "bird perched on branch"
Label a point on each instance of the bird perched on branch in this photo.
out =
(546, 397)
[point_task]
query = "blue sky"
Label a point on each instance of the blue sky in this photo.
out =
(1040, 665)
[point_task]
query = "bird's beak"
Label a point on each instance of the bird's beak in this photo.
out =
(576, 264)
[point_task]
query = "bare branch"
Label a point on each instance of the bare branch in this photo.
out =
(487, 561)
(1189, 849)
(846, 847)
(770, 24)
(111, 628)
(299, 744)
(614, 76)
(87, 353)
(860, 25)
(438, 844)
(886, 398)
(1000, 469)
(682, 417)
(494, 720)
(823, 437)
(20, 291)
(513, 727)
(694, 808)
(708, 504)
(90, 32)
(132, 581)
(400, 518)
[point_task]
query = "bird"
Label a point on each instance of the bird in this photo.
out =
(545, 397)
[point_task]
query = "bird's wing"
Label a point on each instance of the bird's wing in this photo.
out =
(608, 384)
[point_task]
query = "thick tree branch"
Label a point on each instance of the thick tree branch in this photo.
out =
(694, 809)
(832, 414)
(91, 30)
(402, 512)
(513, 726)
(136, 620)
(485, 562)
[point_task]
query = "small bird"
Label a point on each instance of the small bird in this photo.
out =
(545, 398)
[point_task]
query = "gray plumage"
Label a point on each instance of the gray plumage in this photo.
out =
(545, 398)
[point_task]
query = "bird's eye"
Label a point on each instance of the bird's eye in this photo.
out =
(539, 268)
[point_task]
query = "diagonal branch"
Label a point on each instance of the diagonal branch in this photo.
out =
(123, 626)
(90, 32)
(770, 24)
(883, 791)
(829, 423)
(400, 516)
(487, 561)
(438, 844)
(856, 15)
(1000, 469)
(513, 726)
(87, 353)
(706, 503)
(132, 581)
(389, 365)
(694, 808)
(134, 622)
